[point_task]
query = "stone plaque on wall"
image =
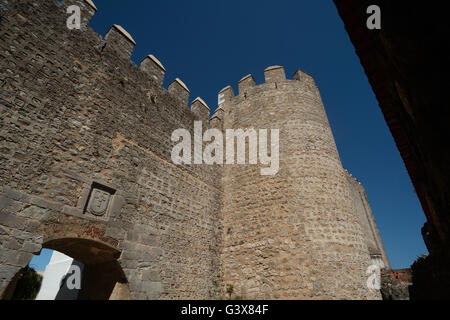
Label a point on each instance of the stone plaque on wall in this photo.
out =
(98, 202)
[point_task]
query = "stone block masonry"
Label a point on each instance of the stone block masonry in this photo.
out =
(77, 116)
(85, 169)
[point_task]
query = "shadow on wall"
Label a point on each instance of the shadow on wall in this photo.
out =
(24, 286)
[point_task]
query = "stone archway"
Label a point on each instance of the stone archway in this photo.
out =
(103, 277)
(122, 258)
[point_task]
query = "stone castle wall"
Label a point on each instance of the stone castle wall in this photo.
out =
(76, 113)
(367, 222)
(86, 169)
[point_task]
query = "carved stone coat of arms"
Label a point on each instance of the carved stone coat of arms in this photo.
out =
(98, 203)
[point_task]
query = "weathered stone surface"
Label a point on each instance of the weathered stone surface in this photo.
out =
(46, 204)
(11, 220)
(34, 212)
(7, 272)
(31, 247)
(10, 205)
(367, 221)
(150, 275)
(15, 195)
(116, 205)
(78, 116)
(116, 233)
(72, 211)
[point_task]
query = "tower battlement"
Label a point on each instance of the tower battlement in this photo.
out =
(122, 43)
(274, 75)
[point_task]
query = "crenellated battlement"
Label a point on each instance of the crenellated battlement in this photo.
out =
(305, 78)
(120, 41)
(87, 10)
(81, 3)
(95, 71)
(180, 91)
(350, 176)
(225, 96)
(272, 75)
(200, 109)
(154, 68)
(91, 4)
(245, 83)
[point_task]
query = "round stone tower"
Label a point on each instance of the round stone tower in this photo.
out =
(293, 235)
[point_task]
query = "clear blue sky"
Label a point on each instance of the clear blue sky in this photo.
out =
(212, 44)
(41, 261)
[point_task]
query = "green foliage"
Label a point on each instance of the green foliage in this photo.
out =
(230, 290)
(28, 285)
